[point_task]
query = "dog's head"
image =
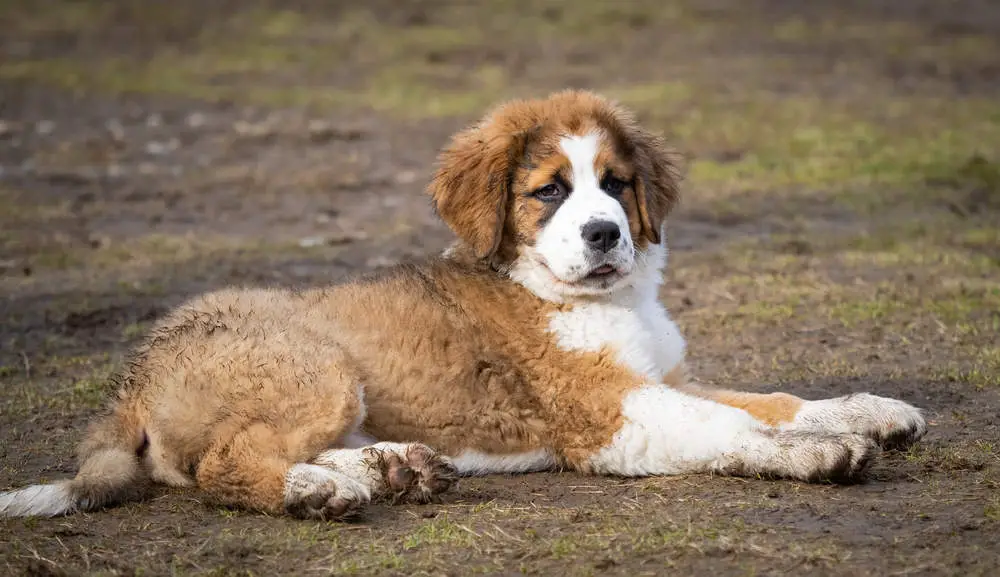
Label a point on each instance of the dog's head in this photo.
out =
(568, 194)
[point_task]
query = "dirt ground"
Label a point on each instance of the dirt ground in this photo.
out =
(839, 232)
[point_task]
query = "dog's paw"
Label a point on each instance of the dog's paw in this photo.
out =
(415, 471)
(314, 492)
(893, 424)
(818, 457)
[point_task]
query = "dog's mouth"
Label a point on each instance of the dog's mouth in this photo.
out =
(603, 271)
(600, 278)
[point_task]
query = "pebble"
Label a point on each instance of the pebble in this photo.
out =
(312, 241)
(114, 170)
(406, 177)
(44, 127)
(195, 120)
(158, 148)
(115, 130)
(244, 128)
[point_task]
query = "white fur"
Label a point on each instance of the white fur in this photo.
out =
(862, 413)
(669, 432)
(560, 259)
(632, 321)
(38, 501)
(357, 438)
(356, 463)
(305, 479)
(471, 462)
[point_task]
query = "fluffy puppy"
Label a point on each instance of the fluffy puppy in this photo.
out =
(537, 341)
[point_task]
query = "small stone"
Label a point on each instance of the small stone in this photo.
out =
(195, 120)
(6, 130)
(406, 177)
(157, 148)
(44, 127)
(253, 130)
(319, 130)
(154, 121)
(115, 130)
(312, 241)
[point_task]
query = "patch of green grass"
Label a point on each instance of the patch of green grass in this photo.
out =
(992, 510)
(981, 370)
(90, 391)
(951, 458)
(562, 547)
(76, 382)
(401, 70)
(153, 249)
(437, 531)
(41, 18)
(134, 330)
(919, 153)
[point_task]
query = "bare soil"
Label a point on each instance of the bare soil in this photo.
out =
(838, 234)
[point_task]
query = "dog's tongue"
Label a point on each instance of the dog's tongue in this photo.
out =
(605, 269)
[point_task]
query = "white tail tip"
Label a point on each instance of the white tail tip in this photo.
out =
(37, 501)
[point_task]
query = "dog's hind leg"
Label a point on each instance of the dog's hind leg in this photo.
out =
(257, 469)
(264, 465)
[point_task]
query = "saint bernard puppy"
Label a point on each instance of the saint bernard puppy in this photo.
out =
(536, 342)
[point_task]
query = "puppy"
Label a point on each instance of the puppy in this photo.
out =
(537, 341)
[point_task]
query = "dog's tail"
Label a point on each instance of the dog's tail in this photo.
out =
(110, 473)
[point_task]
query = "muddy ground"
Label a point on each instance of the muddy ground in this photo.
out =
(839, 233)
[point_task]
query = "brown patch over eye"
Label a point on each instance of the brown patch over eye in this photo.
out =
(549, 170)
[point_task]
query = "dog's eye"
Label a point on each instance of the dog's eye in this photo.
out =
(613, 186)
(550, 192)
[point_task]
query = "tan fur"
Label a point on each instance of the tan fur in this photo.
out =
(773, 409)
(492, 381)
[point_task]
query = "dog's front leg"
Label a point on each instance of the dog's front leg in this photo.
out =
(667, 431)
(892, 423)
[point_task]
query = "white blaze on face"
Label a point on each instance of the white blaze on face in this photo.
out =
(561, 244)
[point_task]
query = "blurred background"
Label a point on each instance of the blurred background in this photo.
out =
(838, 228)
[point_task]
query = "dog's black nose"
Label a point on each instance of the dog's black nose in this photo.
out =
(601, 235)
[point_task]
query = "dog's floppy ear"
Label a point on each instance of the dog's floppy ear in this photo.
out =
(657, 180)
(471, 186)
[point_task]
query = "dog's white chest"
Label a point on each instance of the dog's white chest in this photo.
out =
(640, 332)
